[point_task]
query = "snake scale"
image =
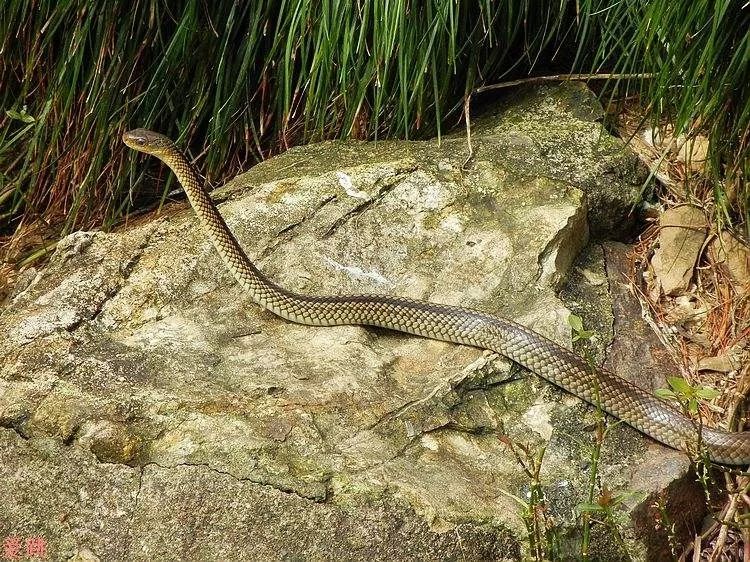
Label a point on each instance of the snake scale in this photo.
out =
(558, 365)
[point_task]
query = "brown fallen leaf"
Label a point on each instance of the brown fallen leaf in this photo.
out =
(735, 256)
(681, 237)
(719, 363)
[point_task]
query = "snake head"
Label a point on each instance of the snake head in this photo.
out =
(147, 141)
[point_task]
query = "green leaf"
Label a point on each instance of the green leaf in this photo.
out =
(589, 508)
(20, 116)
(665, 394)
(582, 336)
(576, 323)
(693, 406)
(706, 393)
(680, 386)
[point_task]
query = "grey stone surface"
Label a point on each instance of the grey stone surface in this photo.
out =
(598, 290)
(152, 411)
(557, 132)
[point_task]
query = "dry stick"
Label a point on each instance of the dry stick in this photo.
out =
(697, 549)
(538, 80)
(723, 531)
(563, 78)
(467, 117)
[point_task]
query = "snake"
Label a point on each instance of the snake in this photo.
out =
(560, 366)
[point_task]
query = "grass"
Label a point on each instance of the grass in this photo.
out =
(699, 53)
(237, 82)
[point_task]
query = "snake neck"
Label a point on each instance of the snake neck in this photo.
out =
(213, 223)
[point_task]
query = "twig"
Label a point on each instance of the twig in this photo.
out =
(467, 118)
(697, 548)
(562, 78)
(722, 537)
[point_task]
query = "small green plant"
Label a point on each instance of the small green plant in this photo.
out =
(544, 541)
(685, 394)
(603, 511)
(543, 535)
(576, 323)
(665, 522)
(580, 334)
(601, 505)
(689, 397)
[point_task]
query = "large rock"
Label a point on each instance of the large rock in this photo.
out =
(555, 132)
(153, 411)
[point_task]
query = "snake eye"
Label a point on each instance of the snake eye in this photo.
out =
(134, 138)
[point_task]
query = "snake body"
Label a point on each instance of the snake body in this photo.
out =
(558, 365)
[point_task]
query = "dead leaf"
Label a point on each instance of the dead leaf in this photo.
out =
(720, 363)
(693, 152)
(735, 256)
(683, 231)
